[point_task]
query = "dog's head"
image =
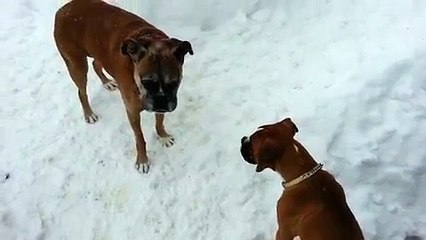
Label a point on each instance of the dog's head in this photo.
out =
(268, 144)
(157, 69)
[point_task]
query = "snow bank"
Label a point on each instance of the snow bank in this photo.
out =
(350, 74)
(209, 14)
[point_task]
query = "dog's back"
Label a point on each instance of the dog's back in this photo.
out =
(94, 26)
(324, 211)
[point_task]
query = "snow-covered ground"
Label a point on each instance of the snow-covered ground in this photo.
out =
(351, 74)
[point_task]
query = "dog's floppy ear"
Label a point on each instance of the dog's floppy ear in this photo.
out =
(180, 49)
(291, 124)
(135, 49)
(268, 154)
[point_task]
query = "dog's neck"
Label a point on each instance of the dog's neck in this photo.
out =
(297, 162)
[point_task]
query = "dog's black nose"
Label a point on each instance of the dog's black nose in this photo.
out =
(161, 101)
(164, 103)
(245, 150)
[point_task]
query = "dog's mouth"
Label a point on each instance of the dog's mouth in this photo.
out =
(151, 108)
(160, 104)
(160, 110)
(246, 151)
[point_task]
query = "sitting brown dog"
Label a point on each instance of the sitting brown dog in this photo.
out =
(313, 205)
(145, 63)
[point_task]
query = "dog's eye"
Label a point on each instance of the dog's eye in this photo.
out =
(170, 86)
(150, 85)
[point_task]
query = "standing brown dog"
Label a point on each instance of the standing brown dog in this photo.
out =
(145, 63)
(313, 205)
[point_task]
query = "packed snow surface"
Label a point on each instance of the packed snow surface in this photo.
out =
(351, 75)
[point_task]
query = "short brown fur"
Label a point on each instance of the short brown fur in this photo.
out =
(93, 28)
(314, 209)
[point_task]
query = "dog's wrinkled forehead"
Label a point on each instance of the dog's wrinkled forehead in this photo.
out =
(280, 131)
(263, 131)
(161, 58)
(159, 48)
(159, 67)
(258, 132)
(259, 135)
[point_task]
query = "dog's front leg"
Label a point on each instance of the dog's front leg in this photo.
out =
(283, 235)
(283, 232)
(142, 163)
(165, 138)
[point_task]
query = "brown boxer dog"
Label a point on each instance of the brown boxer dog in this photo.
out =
(313, 204)
(146, 65)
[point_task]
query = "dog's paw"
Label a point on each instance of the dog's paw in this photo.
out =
(167, 141)
(91, 118)
(142, 167)
(111, 85)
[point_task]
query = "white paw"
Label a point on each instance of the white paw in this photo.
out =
(111, 85)
(166, 141)
(92, 118)
(142, 167)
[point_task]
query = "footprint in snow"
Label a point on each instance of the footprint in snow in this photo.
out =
(4, 177)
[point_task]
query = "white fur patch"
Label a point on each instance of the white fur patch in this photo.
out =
(92, 118)
(138, 82)
(111, 85)
(296, 148)
(143, 167)
(256, 130)
(167, 141)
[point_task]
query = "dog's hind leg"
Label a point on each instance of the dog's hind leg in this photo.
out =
(77, 68)
(109, 84)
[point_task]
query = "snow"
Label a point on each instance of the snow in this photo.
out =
(351, 75)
